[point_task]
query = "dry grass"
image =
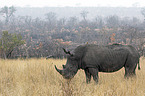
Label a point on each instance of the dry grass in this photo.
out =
(37, 77)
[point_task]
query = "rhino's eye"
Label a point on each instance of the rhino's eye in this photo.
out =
(71, 67)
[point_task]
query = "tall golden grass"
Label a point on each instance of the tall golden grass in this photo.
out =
(37, 77)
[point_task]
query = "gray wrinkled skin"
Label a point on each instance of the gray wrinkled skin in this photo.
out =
(93, 59)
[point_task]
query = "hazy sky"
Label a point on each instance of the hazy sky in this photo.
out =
(62, 3)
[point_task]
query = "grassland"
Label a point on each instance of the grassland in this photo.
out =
(37, 77)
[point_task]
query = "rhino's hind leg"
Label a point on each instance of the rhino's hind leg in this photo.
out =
(130, 66)
(88, 75)
(94, 73)
(130, 71)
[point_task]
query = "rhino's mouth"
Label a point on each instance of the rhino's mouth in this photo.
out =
(68, 76)
(65, 74)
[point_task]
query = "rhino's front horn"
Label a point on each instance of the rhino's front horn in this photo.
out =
(60, 71)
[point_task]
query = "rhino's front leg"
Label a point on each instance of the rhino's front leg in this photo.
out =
(88, 75)
(94, 73)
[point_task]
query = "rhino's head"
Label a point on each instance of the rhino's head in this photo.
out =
(70, 69)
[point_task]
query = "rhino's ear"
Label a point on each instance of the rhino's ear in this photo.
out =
(67, 52)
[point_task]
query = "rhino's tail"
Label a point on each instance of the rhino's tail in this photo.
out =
(138, 65)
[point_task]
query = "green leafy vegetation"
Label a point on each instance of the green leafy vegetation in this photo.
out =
(8, 42)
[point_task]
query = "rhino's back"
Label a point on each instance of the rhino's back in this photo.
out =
(107, 60)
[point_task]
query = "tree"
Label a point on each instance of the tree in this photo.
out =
(7, 12)
(51, 17)
(99, 22)
(112, 21)
(143, 12)
(72, 22)
(84, 14)
(8, 42)
(61, 23)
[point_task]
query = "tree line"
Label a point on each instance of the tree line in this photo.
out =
(24, 37)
